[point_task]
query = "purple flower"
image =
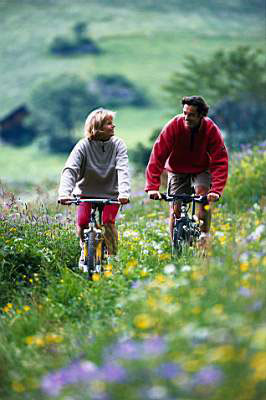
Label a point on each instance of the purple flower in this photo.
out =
(208, 376)
(245, 292)
(78, 371)
(169, 370)
(154, 346)
(113, 372)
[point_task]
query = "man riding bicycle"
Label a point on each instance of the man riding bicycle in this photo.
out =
(191, 149)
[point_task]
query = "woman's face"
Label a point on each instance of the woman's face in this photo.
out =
(108, 128)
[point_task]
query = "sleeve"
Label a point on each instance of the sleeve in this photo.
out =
(219, 161)
(122, 170)
(71, 172)
(160, 152)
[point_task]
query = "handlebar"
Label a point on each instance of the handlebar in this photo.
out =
(79, 200)
(185, 198)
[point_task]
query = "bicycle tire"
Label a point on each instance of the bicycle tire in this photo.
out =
(91, 259)
(181, 237)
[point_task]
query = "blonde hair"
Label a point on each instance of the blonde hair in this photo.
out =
(95, 121)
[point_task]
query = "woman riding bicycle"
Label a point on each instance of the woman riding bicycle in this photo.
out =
(97, 167)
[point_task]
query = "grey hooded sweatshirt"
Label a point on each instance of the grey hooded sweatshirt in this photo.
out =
(96, 168)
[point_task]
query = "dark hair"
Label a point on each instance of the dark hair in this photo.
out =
(198, 102)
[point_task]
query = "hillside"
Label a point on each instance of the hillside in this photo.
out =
(145, 41)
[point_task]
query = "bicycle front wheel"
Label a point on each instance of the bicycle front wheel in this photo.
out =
(181, 237)
(91, 259)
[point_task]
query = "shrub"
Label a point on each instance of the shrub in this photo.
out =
(116, 91)
(58, 105)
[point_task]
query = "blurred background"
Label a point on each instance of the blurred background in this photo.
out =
(61, 59)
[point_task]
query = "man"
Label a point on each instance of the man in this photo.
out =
(191, 149)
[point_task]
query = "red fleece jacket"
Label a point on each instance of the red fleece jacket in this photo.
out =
(179, 150)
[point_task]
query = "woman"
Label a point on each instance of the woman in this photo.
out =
(97, 167)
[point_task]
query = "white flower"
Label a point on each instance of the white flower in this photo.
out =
(185, 268)
(169, 269)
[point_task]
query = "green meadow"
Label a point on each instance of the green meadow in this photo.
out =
(153, 327)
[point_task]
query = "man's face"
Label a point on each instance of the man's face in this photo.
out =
(192, 117)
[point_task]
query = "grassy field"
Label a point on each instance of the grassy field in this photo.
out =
(145, 41)
(154, 327)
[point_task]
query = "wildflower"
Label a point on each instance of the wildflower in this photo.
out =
(244, 266)
(185, 268)
(113, 372)
(245, 292)
(18, 387)
(95, 277)
(208, 375)
(143, 321)
(222, 354)
(26, 308)
(53, 338)
(169, 269)
(164, 256)
(196, 310)
(78, 371)
(169, 370)
(258, 362)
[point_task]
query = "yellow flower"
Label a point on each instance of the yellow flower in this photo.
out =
(108, 267)
(222, 354)
(164, 256)
(26, 308)
(218, 309)
(259, 339)
(132, 263)
(160, 278)
(29, 340)
(196, 310)
(18, 387)
(53, 338)
(38, 341)
(192, 365)
(143, 273)
(258, 362)
(95, 277)
(9, 305)
(244, 266)
(107, 274)
(143, 321)
(197, 275)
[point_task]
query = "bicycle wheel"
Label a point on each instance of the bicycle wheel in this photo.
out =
(91, 259)
(181, 237)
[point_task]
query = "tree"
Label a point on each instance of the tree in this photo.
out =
(226, 77)
(58, 105)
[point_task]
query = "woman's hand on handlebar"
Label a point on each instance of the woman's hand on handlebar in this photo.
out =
(65, 200)
(123, 200)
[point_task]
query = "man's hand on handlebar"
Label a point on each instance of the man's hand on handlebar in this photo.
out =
(154, 195)
(212, 196)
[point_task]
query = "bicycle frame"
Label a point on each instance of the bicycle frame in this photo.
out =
(94, 241)
(186, 229)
